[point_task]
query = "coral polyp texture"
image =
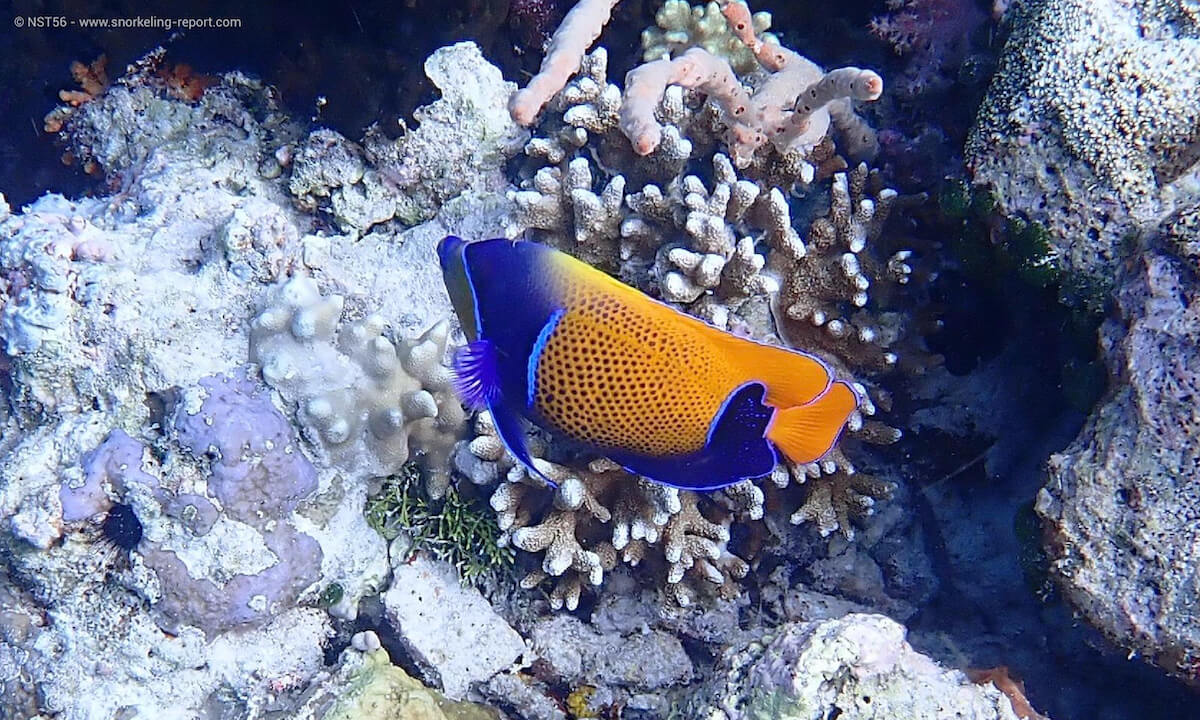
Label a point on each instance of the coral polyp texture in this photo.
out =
(1090, 127)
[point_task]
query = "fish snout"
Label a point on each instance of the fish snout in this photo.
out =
(449, 249)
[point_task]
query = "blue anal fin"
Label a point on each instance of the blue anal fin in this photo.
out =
(508, 428)
(476, 374)
(737, 448)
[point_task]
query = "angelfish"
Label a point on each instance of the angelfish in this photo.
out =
(667, 396)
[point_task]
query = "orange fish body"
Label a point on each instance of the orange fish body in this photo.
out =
(664, 394)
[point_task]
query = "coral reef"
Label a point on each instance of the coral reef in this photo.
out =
(257, 476)
(179, 538)
(1119, 500)
(92, 80)
(603, 515)
(721, 243)
(580, 655)
(459, 147)
(743, 121)
(1090, 126)
(125, 329)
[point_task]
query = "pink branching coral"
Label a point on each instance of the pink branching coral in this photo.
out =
(792, 108)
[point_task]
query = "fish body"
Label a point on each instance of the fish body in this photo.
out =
(664, 394)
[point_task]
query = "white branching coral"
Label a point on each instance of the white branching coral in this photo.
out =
(601, 515)
(827, 282)
(620, 177)
(564, 203)
(362, 399)
(837, 495)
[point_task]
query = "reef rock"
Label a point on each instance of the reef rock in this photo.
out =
(1123, 501)
(367, 686)
(461, 144)
(1092, 126)
(858, 667)
(126, 322)
(450, 630)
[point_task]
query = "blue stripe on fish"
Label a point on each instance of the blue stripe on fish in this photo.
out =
(536, 355)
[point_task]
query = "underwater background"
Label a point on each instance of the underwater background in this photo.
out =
(236, 480)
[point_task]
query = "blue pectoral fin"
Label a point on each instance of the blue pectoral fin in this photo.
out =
(508, 427)
(737, 448)
(476, 374)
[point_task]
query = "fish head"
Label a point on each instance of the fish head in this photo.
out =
(452, 257)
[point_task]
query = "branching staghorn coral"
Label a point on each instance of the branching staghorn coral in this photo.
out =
(602, 515)
(365, 401)
(833, 267)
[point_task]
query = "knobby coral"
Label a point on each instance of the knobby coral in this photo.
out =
(363, 400)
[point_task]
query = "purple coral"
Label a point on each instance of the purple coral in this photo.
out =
(259, 476)
(258, 471)
(243, 600)
(114, 462)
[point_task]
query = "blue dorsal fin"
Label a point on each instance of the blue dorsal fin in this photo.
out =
(508, 428)
(477, 373)
(736, 449)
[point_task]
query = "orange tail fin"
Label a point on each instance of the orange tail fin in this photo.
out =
(806, 432)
